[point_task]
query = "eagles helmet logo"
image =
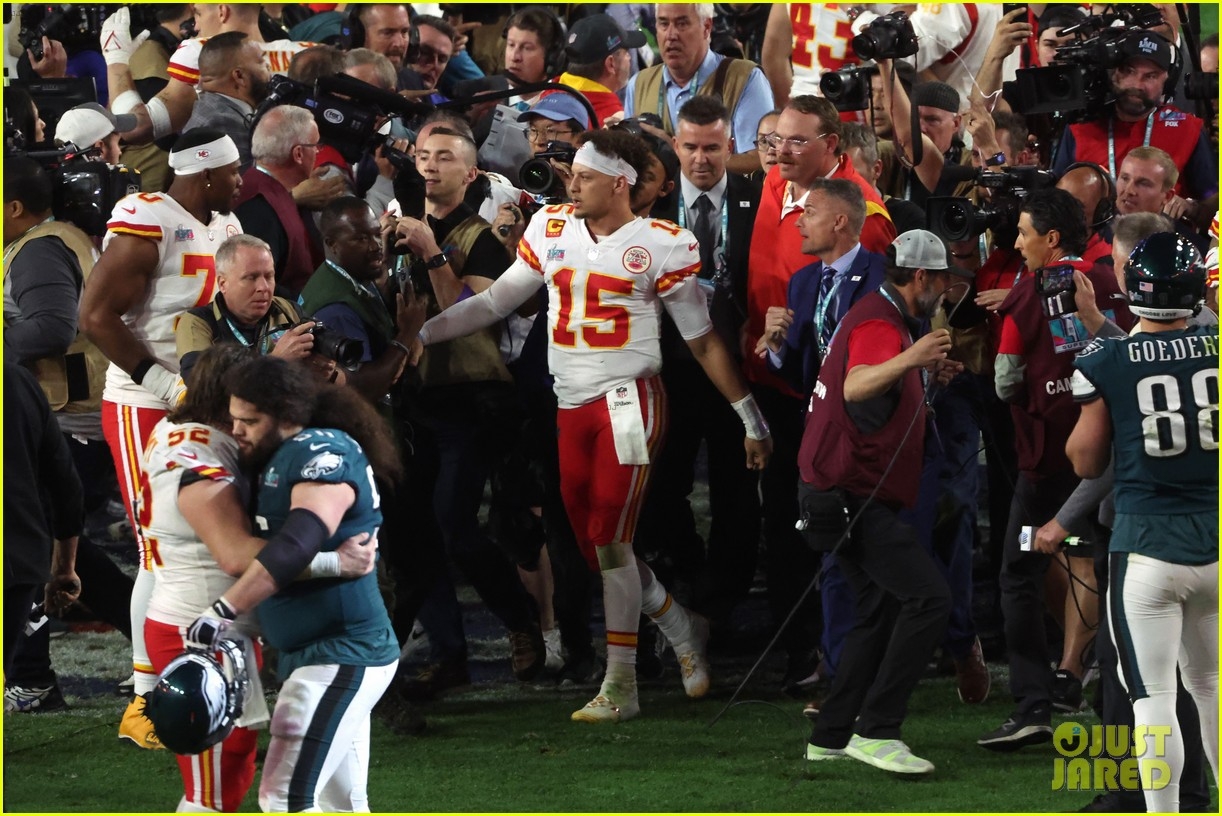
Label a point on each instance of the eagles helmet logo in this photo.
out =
(198, 699)
(323, 464)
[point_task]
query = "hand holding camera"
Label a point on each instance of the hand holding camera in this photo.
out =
(297, 343)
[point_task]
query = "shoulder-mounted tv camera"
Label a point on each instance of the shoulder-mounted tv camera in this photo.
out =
(348, 113)
(84, 189)
(957, 219)
(1077, 86)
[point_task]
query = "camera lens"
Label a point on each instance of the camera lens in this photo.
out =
(832, 85)
(537, 176)
(956, 221)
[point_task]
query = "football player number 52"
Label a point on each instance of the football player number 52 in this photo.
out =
(1166, 429)
(610, 323)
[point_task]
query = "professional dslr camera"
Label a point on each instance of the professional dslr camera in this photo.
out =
(1078, 85)
(849, 88)
(888, 37)
(538, 177)
(956, 219)
(329, 343)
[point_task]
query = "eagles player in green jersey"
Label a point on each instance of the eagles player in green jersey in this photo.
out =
(1151, 401)
(316, 454)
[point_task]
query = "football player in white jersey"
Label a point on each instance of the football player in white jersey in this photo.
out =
(169, 111)
(193, 500)
(608, 274)
(802, 42)
(157, 262)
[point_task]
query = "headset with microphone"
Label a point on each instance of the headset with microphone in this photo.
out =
(554, 59)
(1105, 210)
(352, 32)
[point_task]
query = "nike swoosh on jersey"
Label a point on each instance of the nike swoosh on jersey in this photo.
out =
(318, 447)
(693, 247)
(130, 210)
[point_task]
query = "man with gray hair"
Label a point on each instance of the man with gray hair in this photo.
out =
(285, 145)
(689, 67)
(246, 312)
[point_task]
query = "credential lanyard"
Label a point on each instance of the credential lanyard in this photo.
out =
(725, 229)
(1111, 139)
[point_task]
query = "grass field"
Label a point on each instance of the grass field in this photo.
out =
(505, 746)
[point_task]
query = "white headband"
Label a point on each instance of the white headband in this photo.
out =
(192, 160)
(611, 165)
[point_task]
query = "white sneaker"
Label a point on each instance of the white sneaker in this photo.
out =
(554, 661)
(693, 658)
(615, 702)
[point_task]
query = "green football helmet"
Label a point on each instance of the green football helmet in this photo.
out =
(198, 698)
(1165, 278)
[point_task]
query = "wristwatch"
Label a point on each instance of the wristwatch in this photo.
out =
(996, 160)
(437, 261)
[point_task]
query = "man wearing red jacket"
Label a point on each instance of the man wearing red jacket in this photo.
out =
(807, 140)
(1032, 372)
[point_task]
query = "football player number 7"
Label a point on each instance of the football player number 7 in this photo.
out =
(602, 325)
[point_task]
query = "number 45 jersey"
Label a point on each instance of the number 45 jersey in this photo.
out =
(1162, 393)
(185, 278)
(605, 297)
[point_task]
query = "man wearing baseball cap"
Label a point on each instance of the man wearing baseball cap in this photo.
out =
(861, 458)
(600, 62)
(1139, 116)
(557, 117)
(91, 125)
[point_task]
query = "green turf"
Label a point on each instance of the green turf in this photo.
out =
(510, 747)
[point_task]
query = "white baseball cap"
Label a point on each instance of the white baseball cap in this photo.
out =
(89, 123)
(921, 249)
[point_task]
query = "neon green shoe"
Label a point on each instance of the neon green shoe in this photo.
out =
(889, 755)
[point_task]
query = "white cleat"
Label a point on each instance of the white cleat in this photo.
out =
(693, 659)
(616, 702)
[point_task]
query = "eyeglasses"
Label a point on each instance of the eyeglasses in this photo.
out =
(762, 142)
(796, 144)
(549, 135)
(315, 145)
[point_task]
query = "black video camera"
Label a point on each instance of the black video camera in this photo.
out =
(849, 88)
(888, 37)
(77, 27)
(1077, 86)
(957, 219)
(84, 191)
(537, 176)
(346, 110)
(334, 346)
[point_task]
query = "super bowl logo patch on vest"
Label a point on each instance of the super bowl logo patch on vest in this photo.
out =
(1171, 118)
(637, 259)
(555, 226)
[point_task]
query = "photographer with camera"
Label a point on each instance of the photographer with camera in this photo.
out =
(1040, 334)
(46, 263)
(556, 117)
(1139, 116)
(245, 311)
(91, 127)
(284, 146)
(157, 262)
(467, 400)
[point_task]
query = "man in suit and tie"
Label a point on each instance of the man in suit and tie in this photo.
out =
(796, 336)
(719, 208)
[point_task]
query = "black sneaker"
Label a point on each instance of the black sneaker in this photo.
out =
(1116, 802)
(435, 679)
(1020, 730)
(1066, 692)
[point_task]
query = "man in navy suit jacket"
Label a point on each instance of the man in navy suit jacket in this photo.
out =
(796, 336)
